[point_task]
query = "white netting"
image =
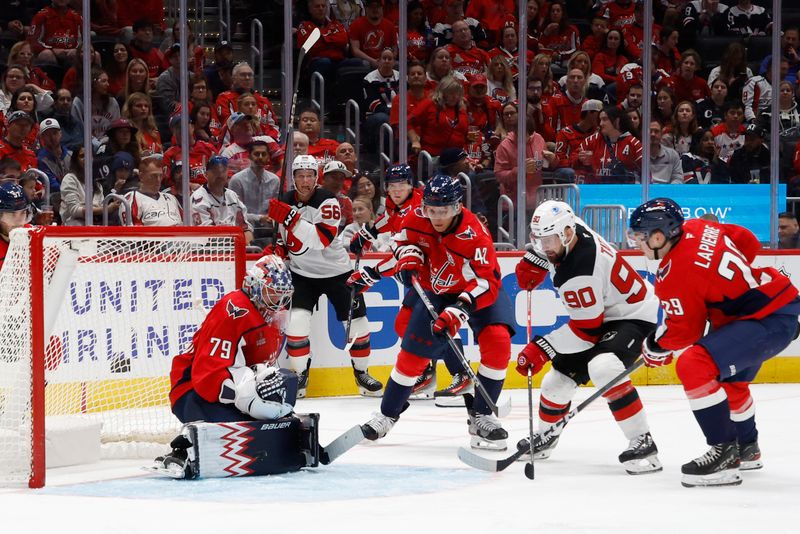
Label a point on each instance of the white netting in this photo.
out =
(116, 310)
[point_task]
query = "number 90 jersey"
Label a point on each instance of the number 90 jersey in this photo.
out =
(596, 286)
(314, 251)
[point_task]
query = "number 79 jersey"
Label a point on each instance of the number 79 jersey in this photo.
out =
(596, 286)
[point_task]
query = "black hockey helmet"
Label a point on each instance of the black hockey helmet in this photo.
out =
(442, 190)
(399, 173)
(661, 214)
(12, 198)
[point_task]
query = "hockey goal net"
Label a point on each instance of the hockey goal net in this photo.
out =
(90, 319)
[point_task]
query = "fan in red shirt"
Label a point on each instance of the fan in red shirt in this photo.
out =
(55, 32)
(142, 48)
(440, 121)
(619, 12)
(416, 94)
(482, 110)
(569, 139)
(199, 154)
(564, 109)
(686, 84)
(509, 50)
(634, 33)
(324, 150)
(594, 41)
(243, 81)
(333, 40)
(610, 59)
(611, 155)
(492, 14)
(466, 58)
(19, 125)
(372, 33)
(559, 38)
(435, 10)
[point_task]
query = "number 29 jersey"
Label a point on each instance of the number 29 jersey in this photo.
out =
(596, 286)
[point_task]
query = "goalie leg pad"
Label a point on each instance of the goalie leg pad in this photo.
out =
(253, 448)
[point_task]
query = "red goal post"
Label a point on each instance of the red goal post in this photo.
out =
(90, 318)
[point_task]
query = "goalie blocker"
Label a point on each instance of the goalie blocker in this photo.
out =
(245, 448)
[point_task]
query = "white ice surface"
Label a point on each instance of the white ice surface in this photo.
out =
(412, 481)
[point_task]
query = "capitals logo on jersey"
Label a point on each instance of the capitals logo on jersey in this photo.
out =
(441, 281)
(467, 234)
(235, 311)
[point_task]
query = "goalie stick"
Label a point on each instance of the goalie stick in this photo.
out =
(500, 411)
(488, 464)
(341, 445)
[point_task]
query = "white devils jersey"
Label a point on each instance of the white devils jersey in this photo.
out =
(313, 248)
(596, 286)
(163, 210)
(227, 210)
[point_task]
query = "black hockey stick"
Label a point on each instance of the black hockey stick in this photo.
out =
(347, 342)
(487, 464)
(500, 411)
(529, 470)
(311, 41)
(341, 445)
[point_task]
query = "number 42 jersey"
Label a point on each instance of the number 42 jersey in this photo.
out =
(596, 286)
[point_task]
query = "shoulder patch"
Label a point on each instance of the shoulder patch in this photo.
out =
(663, 271)
(467, 234)
(235, 311)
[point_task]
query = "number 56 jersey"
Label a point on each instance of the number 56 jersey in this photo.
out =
(596, 286)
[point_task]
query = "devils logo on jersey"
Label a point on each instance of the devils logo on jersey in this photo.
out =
(235, 311)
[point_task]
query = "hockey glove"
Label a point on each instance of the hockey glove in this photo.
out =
(654, 354)
(363, 279)
(362, 239)
(531, 271)
(535, 354)
(271, 386)
(283, 213)
(278, 249)
(451, 319)
(409, 258)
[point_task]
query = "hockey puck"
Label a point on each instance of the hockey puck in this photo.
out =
(529, 471)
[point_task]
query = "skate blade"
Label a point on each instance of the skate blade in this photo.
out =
(751, 465)
(729, 477)
(176, 473)
(449, 401)
(364, 392)
(643, 466)
(422, 395)
(301, 393)
(482, 444)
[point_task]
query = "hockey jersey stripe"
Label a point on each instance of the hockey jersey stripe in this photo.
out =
(587, 329)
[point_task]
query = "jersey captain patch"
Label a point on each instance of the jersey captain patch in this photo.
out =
(235, 311)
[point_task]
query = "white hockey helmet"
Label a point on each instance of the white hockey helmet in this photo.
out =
(552, 217)
(304, 161)
(268, 283)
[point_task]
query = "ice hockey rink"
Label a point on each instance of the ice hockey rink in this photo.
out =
(412, 481)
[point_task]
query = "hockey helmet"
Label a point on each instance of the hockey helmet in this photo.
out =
(658, 214)
(217, 160)
(305, 162)
(268, 283)
(442, 196)
(12, 198)
(552, 217)
(399, 173)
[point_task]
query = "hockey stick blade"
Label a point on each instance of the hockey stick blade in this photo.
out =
(341, 445)
(488, 464)
(311, 41)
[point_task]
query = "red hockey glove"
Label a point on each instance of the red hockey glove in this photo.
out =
(409, 258)
(531, 271)
(363, 279)
(278, 249)
(535, 354)
(654, 354)
(451, 319)
(283, 213)
(362, 239)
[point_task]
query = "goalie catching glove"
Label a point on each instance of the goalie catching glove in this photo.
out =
(452, 318)
(531, 271)
(535, 354)
(283, 213)
(654, 354)
(363, 279)
(362, 239)
(262, 392)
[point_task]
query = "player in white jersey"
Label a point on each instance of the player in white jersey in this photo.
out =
(214, 204)
(308, 219)
(611, 310)
(149, 206)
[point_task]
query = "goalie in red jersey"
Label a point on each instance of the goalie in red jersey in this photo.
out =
(706, 274)
(457, 265)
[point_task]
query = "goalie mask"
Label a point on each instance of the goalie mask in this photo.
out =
(549, 224)
(268, 283)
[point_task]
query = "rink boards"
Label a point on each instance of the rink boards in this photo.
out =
(330, 369)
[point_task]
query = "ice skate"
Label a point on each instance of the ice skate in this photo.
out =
(367, 385)
(750, 457)
(378, 426)
(175, 464)
(641, 456)
(717, 467)
(541, 449)
(302, 381)
(453, 395)
(486, 432)
(425, 385)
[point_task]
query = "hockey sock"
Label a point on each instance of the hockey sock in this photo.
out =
(550, 412)
(708, 400)
(493, 388)
(408, 368)
(359, 353)
(743, 411)
(626, 406)
(452, 361)
(394, 398)
(299, 350)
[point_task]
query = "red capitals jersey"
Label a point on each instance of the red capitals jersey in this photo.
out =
(373, 38)
(619, 14)
(606, 157)
(461, 262)
(568, 140)
(199, 154)
(472, 61)
(3, 251)
(333, 40)
(440, 128)
(234, 334)
(23, 155)
(562, 111)
(708, 276)
(512, 58)
(392, 219)
(631, 74)
(226, 104)
(51, 28)
(691, 90)
(484, 114)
